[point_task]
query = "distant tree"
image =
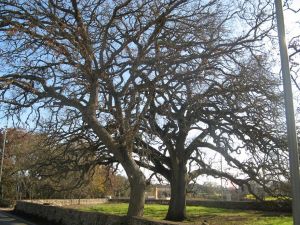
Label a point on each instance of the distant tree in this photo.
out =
(16, 178)
(207, 190)
(29, 170)
(103, 182)
(116, 185)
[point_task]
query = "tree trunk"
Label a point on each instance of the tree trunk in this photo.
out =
(137, 194)
(137, 183)
(178, 181)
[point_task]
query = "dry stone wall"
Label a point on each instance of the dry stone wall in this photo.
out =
(62, 202)
(49, 210)
(66, 216)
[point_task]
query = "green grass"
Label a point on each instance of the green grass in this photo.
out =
(268, 198)
(214, 216)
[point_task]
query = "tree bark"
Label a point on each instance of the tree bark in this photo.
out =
(137, 183)
(137, 194)
(178, 182)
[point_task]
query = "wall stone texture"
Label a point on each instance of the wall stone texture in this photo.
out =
(63, 202)
(66, 216)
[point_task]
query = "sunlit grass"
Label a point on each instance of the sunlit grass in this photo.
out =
(268, 198)
(214, 216)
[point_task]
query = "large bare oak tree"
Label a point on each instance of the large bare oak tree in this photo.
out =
(80, 64)
(218, 98)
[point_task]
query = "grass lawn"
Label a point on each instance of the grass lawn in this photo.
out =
(214, 216)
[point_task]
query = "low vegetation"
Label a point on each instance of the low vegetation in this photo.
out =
(214, 216)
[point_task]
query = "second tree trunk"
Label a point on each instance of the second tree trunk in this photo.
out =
(178, 181)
